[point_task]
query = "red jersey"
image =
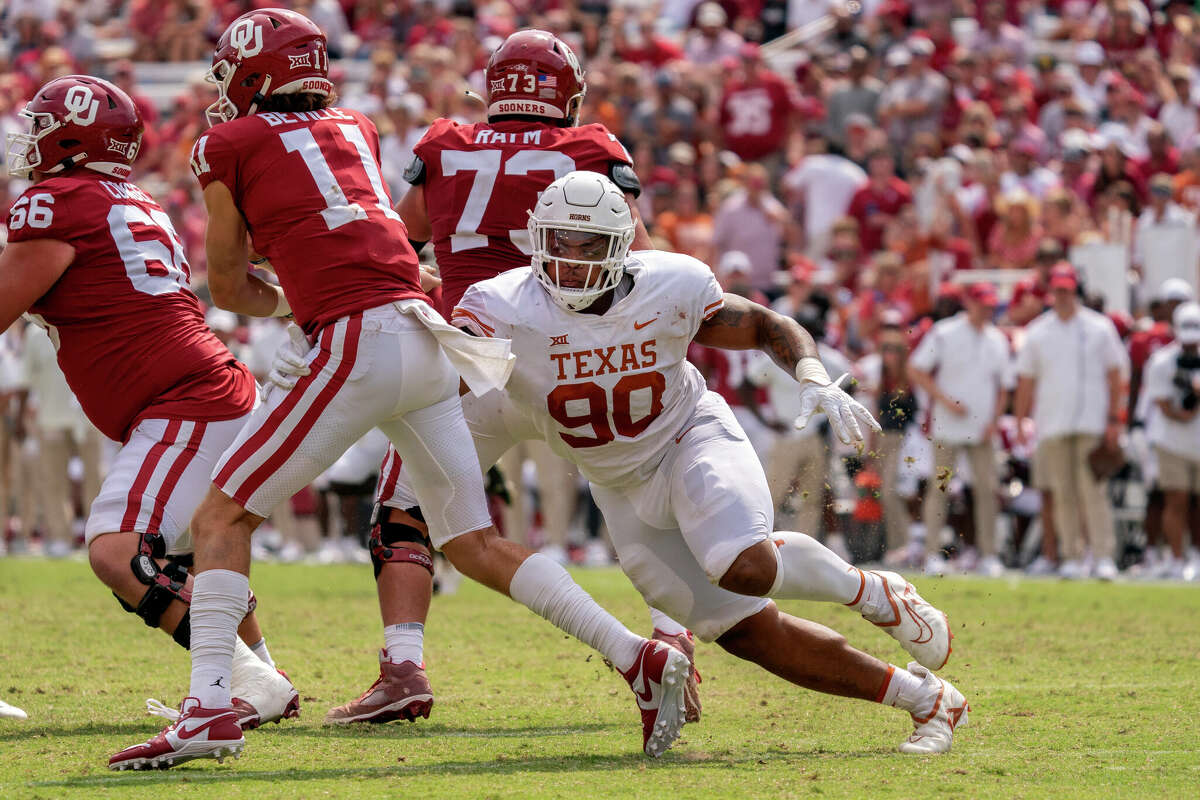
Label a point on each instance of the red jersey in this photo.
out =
(481, 180)
(1144, 344)
(130, 335)
(755, 115)
(309, 186)
(869, 202)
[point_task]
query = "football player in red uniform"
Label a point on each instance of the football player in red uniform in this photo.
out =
(471, 189)
(95, 260)
(302, 178)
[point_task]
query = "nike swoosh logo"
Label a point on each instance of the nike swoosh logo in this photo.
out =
(679, 438)
(189, 733)
(647, 696)
(925, 630)
(637, 326)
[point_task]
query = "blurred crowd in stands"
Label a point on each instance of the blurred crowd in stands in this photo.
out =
(984, 212)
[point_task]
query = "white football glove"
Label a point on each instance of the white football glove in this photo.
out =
(290, 363)
(843, 411)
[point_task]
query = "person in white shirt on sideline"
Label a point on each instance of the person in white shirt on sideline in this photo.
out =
(1172, 383)
(1071, 372)
(1161, 213)
(61, 428)
(962, 363)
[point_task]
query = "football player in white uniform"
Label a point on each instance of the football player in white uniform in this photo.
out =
(601, 375)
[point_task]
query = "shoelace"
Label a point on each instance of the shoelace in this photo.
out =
(157, 709)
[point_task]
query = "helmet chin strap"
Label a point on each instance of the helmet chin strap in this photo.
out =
(259, 96)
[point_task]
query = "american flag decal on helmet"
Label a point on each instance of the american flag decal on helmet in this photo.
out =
(547, 82)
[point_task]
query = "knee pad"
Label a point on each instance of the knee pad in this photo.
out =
(387, 539)
(163, 584)
(159, 594)
(183, 631)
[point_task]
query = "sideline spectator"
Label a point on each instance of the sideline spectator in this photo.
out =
(963, 365)
(1071, 371)
(752, 221)
(1173, 385)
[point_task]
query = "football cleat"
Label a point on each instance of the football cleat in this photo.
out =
(920, 628)
(198, 733)
(686, 644)
(401, 691)
(933, 733)
(658, 678)
(261, 693)
(11, 712)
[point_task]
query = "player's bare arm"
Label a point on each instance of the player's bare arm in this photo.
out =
(27, 271)
(745, 325)
(411, 209)
(232, 286)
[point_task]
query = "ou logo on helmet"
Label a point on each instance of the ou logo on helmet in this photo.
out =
(572, 61)
(81, 105)
(246, 37)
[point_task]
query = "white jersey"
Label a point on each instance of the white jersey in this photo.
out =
(609, 393)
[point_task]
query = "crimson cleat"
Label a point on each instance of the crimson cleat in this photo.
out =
(686, 644)
(260, 696)
(198, 733)
(401, 692)
(658, 678)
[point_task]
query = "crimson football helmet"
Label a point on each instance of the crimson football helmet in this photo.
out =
(77, 120)
(534, 73)
(264, 52)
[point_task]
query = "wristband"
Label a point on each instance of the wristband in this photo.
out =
(812, 370)
(259, 260)
(282, 308)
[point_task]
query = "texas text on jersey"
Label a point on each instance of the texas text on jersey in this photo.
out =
(480, 181)
(607, 392)
(131, 338)
(309, 186)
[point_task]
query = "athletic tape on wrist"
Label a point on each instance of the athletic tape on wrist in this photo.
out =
(282, 307)
(812, 370)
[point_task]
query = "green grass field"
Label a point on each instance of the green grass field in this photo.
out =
(1077, 690)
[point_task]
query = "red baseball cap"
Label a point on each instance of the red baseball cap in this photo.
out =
(802, 270)
(982, 292)
(949, 289)
(1062, 276)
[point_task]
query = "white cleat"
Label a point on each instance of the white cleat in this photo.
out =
(933, 733)
(262, 693)
(11, 712)
(920, 628)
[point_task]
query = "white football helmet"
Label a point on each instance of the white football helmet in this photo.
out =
(587, 203)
